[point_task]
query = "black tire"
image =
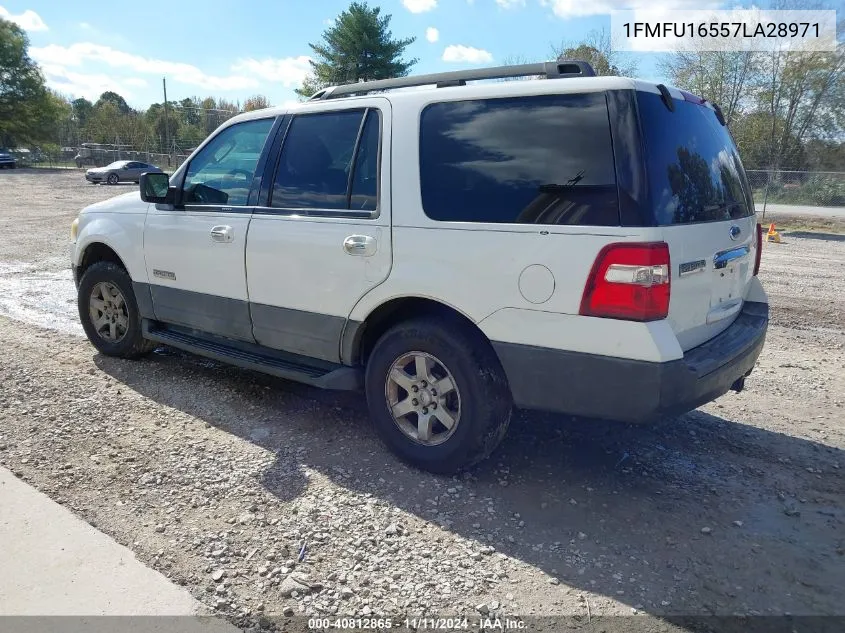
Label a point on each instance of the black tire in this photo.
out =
(486, 402)
(132, 344)
(113, 179)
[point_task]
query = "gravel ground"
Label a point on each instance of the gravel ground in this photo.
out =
(264, 497)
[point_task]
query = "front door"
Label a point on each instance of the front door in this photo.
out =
(195, 252)
(321, 237)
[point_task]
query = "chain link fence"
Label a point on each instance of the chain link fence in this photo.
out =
(797, 189)
(164, 142)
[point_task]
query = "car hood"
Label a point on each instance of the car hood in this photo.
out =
(97, 170)
(125, 203)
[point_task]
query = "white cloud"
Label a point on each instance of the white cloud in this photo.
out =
(460, 53)
(288, 71)
(419, 6)
(29, 20)
(577, 8)
(87, 85)
(511, 4)
(432, 34)
(78, 54)
(136, 81)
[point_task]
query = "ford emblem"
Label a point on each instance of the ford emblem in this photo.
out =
(735, 232)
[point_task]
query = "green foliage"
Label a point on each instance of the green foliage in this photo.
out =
(27, 108)
(114, 99)
(357, 47)
(820, 190)
(82, 110)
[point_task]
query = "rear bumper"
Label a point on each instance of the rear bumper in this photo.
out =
(629, 390)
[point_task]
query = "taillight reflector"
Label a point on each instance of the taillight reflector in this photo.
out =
(629, 281)
(759, 248)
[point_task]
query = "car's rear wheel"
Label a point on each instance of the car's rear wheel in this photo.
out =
(437, 394)
(109, 312)
(112, 179)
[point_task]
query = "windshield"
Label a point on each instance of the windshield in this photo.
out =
(693, 166)
(116, 165)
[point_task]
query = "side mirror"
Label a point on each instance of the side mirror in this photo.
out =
(155, 188)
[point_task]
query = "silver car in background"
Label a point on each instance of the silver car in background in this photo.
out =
(120, 171)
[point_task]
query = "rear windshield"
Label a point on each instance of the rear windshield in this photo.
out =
(692, 164)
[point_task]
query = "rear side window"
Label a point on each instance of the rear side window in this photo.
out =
(329, 161)
(692, 164)
(527, 160)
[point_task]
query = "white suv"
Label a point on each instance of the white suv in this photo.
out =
(581, 244)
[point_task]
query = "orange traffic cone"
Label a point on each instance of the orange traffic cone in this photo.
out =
(773, 235)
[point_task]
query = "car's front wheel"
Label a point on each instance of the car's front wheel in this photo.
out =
(112, 179)
(109, 312)
(437, 394)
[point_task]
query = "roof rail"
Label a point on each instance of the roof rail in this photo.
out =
(550, 70)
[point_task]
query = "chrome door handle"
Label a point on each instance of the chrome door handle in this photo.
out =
(721, 259)
(222, 234)
(360, 245)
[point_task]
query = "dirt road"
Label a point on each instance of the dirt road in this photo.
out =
(266, 497)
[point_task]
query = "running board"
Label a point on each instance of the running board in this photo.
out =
(320, 374)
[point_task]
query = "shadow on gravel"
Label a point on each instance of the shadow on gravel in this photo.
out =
(812, 235)
(698, 515)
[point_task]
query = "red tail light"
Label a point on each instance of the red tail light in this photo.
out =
(629, 281)
(759, 248)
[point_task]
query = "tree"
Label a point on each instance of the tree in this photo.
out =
(597, 49)
(804, 95)
(357, 47)
(27, 108)
(82, 110)
(256, 102)
(189, 111)
(114, 98)
(722, 77)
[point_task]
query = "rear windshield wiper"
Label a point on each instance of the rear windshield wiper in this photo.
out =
(556, 188)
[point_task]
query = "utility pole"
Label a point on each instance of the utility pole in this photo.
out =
(166, 124)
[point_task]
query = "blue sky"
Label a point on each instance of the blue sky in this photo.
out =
(226, 49)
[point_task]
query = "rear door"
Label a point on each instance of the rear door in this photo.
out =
(700, 195)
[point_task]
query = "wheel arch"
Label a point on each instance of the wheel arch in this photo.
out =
(359, 337)
(98, 252)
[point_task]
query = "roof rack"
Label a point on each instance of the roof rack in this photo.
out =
(559, 69)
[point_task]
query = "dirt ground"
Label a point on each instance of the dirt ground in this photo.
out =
(245, 488)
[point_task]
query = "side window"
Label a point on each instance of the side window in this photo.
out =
(364, 193)
(222, 172)
(323, 154)
(528, 160)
